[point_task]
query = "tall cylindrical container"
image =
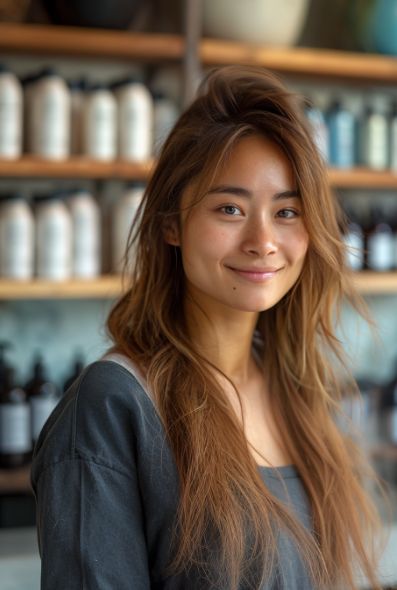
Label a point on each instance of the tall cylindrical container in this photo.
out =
(86, 230)
(16, 237)
(50, 116)
(11, 111)
(53, 238)
(100, 124)
(165, 114)
(342, 136)
(15, 433)
(125, 214)
(135, 120)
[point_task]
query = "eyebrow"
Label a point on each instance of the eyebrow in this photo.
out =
(243, 192)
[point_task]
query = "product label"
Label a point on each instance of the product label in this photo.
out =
(41, 408)
(15, 434)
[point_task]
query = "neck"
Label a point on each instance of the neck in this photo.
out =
(223, 337)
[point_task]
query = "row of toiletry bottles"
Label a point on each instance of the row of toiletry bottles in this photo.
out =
(346, 140)
(25, 409)
(59, 235)
(46, 116)
(371, 244)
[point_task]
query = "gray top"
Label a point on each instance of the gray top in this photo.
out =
(106, 487)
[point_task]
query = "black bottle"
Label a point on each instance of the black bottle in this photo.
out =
(15, 436)
(78, 368)
(43, 396)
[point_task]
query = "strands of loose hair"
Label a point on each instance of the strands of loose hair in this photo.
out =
(226, 515)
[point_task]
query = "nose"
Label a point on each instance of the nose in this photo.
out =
(260, 238)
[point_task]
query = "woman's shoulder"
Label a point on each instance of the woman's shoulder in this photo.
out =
(107, 416)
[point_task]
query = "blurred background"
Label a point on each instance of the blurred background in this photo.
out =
(88, 92)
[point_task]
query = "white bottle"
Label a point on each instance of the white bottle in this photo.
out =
(375, 139)
(50, 116)
(86, 229)
(11, 101)
(135, 120)
(100, 124)
(393, 138)
(77, 97)
(165, 115)
(53, 238)
(16, 238)
(125, 214)
(319, 130)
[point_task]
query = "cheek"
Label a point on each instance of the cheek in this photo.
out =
(297, 245)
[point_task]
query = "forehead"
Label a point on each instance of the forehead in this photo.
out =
(254, 162)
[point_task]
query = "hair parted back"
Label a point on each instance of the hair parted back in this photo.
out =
(220, 487)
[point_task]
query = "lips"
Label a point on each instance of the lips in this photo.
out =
(256, 275)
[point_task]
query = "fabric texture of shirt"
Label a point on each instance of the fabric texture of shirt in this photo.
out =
(106, 487)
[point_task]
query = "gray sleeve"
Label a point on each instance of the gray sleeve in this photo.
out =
(90, 528)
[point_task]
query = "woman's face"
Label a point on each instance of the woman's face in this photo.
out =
(244, 244)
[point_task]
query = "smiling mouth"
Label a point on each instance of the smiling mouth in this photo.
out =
(256, 275)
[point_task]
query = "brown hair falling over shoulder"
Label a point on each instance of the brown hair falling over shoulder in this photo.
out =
(222, 494)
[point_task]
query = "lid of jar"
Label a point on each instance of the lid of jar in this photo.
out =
(48, 72)
(4, 69)
(78, 85)
(125, 82)
(17, 196)
(30, 78)
(134, 184)
(58, 195)
(95, 86)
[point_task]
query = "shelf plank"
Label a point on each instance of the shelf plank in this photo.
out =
(75, 167)
(110, 286)
(15, 480)
(362, 178)
(104, 287)
(85, 42)
(376, 283)
(127, 45)
(300, 60)
(80, 167)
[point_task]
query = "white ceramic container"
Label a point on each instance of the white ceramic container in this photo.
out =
(270, 22)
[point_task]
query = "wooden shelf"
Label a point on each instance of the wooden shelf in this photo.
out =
(303, 61)
(362, 178)
(128, 45)
(110, 286)
(94, 43)
(15, 480)
(376, 283)
(105, 287)
(80, 167)
(76, 167)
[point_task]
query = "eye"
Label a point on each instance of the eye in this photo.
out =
(230, 210)
(288, 213)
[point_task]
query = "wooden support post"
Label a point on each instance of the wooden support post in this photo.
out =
(191, 62)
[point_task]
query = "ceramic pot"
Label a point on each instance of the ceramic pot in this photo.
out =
(375, 23)
(273, 22)
(109, 14)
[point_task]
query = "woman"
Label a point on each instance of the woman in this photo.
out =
(202, 451)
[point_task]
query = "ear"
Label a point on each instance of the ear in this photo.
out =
(171, 232)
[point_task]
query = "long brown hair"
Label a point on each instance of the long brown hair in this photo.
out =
(222, 494)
